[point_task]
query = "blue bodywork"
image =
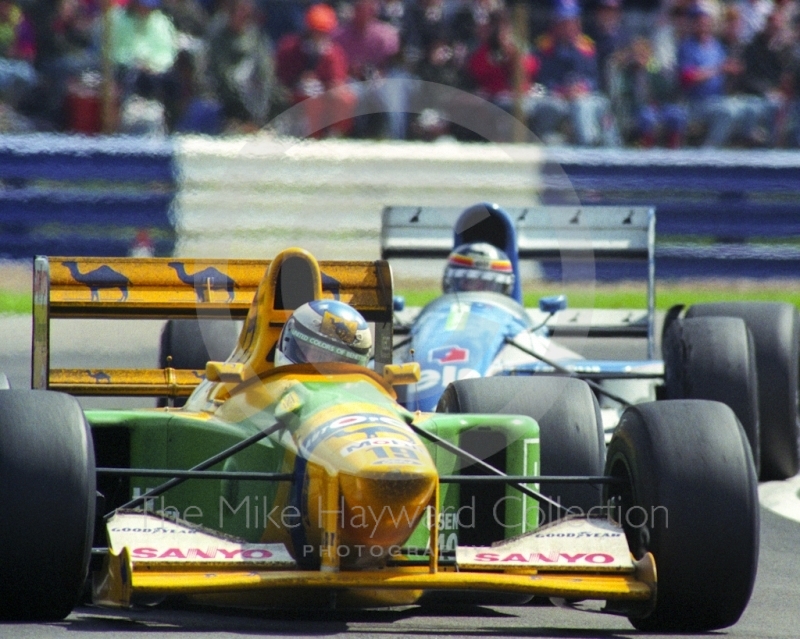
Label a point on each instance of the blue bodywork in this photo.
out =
(462, 335)
(458, 336)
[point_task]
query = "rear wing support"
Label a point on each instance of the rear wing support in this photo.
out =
(546, 233)
(174, 288)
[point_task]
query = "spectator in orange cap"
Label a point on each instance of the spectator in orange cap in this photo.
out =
(313, 69)
(320, 17)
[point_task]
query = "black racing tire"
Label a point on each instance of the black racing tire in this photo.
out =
(776, 332)
(714, 358)
(47, 492)
(570, 428)
(673, 312)
(191, 343)
(688, 495)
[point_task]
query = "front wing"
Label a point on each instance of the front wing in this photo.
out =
(575, 558)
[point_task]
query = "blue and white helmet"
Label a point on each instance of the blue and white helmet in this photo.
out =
(324, 331)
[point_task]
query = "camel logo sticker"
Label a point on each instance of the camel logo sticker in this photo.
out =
(100, 377)
(342, 329)
(209, 278)
(100, 278)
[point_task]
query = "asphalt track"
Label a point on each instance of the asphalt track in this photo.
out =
(773, 611)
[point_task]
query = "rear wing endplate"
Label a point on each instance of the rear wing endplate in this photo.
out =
(543, 233)
(169, 288)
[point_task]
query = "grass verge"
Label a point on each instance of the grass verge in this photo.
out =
(634, 295)
(625, 295)
(14, 303)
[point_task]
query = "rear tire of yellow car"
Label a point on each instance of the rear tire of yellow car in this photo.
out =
(715, 358)
(191, 343)
(688, 495)
(47, 500)
(776, 333)
(570, 428)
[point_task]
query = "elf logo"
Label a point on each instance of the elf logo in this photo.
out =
(432, 378)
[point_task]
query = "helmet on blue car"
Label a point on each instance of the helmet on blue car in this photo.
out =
(478, 267)
(324, 331)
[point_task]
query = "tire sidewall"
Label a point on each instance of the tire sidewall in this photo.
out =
(570, 427)
(776, 333)
(689, 461)
(47, 483)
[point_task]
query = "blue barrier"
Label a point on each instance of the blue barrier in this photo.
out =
(726, 213)
(75, 195)
(718, 213)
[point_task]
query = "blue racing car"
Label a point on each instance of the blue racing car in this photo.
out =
(743, 354)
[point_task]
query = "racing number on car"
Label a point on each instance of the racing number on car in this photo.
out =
(448, 542)
(385, 452)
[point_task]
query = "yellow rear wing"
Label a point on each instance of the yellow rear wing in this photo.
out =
(169, 288)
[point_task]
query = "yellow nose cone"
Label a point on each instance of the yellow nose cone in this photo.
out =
(382, 511)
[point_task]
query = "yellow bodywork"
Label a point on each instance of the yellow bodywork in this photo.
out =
(340, 475)
(181, 287)
(122, 581)
(162, 288)
(166, 382)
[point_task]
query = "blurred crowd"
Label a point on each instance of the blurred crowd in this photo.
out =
(715, 73)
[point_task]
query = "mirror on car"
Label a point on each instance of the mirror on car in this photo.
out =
(401, 374)
(553, 303)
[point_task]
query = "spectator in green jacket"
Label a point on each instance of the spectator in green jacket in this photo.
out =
(143, 37)
(144, 48)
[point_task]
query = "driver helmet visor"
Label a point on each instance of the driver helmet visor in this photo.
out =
(313, 348)
(470, 279)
